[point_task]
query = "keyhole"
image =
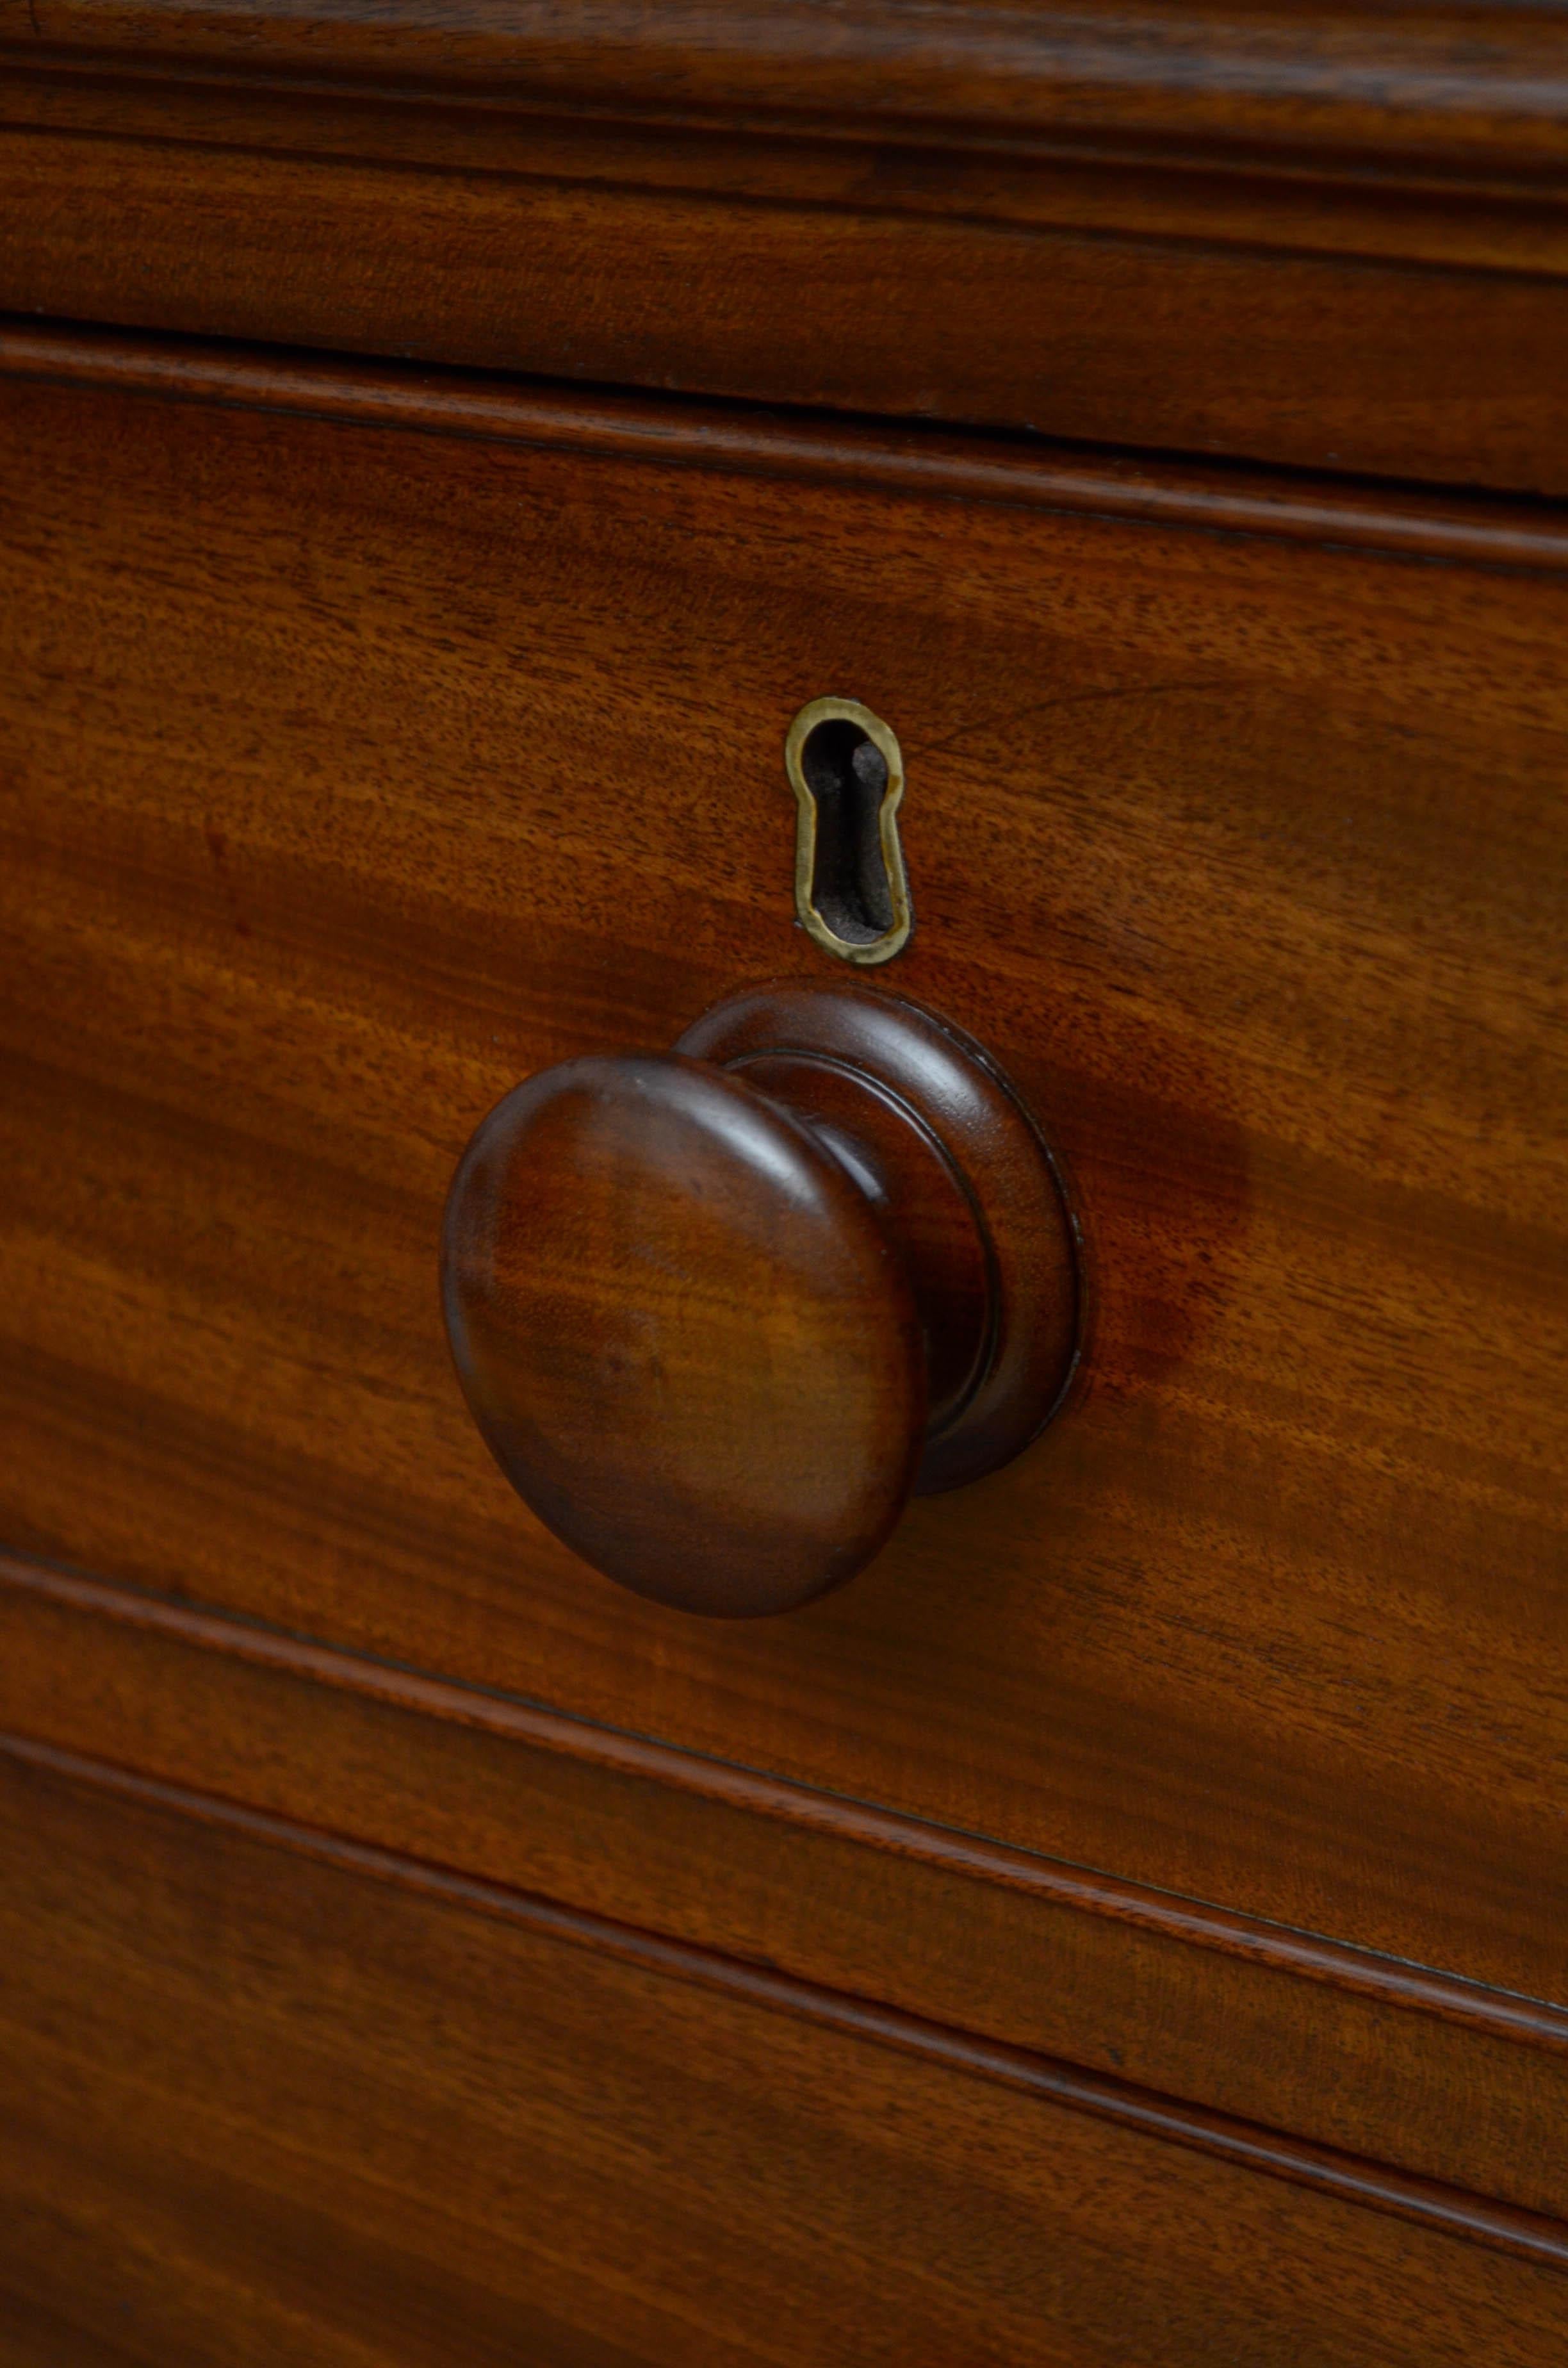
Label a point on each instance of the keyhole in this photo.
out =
(847, 775)
(850, 892)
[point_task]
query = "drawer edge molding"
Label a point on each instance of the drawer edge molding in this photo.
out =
(1417, 89)
(678, 431)
(1338, 1964)
(1372, 2185)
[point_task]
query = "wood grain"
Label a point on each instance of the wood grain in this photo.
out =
(1377, 2059)
(890, 458)
(1443, 84)
(1314, 236)
(983, 1227)
(239, 2131)
(1374, 2186)
(684, 1334)
(353, 773)
(719, 1312)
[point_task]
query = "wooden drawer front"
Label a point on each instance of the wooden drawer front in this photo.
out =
(1259, 2037)
(360, 765)
(1331, 237)
(264, 2106)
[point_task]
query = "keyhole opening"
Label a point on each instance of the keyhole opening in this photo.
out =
(847, 775)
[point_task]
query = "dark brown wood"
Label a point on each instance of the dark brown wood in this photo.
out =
(1319, 235)
(1374, 2057)
(373, 770)
(686, 1339)
(1128, 1924)
(963, 1182)
(401, 2109)
(1448, 85)
(1530, 2235)
(718, 1313)
(887, 457)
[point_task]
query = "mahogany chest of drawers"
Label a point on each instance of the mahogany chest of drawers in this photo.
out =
(446, 454)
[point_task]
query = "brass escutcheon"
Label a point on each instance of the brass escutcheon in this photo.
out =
(846, 770)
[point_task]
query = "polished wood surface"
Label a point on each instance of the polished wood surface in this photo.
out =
(1054, 508)
(806, 450)
(1241, 855)
(718, 1313)
(524, 2132)
(1387, 2066)
(965, 1186)
(686, 1339)
(1473, 83)
(1322, 235)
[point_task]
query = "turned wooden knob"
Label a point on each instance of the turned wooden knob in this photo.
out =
(720, 1311)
